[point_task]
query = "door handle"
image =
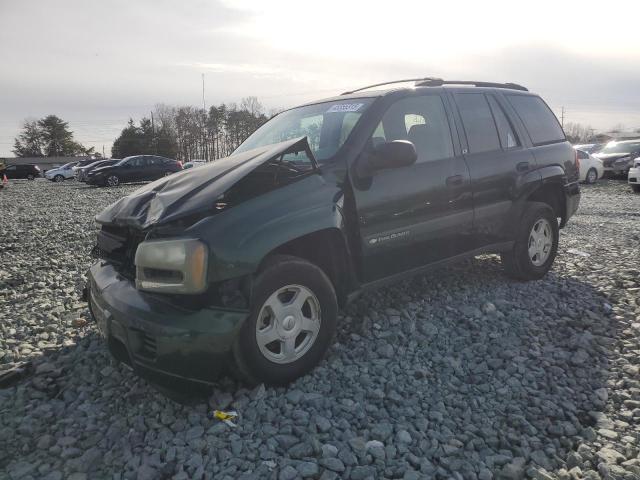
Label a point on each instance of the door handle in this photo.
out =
(522, 167)
(454, 180)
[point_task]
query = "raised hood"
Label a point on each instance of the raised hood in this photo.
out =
(193, 191)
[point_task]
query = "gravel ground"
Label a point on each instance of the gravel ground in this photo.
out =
(461, 374)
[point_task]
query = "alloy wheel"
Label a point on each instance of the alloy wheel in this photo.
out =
(288, 324)
(540, 242)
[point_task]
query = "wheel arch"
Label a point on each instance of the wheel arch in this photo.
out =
(550, 190)
(327, 249)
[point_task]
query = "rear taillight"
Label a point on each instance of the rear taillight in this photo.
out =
(577, 161)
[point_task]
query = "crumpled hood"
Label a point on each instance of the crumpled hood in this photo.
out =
(193, 190)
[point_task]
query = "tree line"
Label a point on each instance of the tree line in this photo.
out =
(48, 137)
(187, 133)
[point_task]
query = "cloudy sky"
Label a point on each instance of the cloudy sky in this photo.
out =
(97, 63)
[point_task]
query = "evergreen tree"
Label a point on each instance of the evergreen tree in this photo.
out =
(57, 139)
(29, 142)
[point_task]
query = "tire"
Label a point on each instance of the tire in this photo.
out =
(283, 280)
(58, 178)
(592, 176)
(30, 177)
(635, 188)
(112, 181)
(522, 264)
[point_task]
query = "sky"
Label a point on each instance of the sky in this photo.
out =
(97, 63)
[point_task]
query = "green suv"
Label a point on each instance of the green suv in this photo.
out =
(242, 264)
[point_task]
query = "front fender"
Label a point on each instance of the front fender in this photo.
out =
(241, 237)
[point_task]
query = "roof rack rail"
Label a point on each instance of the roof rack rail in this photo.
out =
(438, 82)
(424, 79)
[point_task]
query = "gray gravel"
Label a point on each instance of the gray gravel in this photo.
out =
(461, 374)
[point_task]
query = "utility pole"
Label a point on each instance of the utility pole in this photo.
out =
(562, 118)
(204, 128)
(102, 151)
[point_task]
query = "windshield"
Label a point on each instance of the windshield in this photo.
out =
(621, 148)
(68, 165)
(326, 125)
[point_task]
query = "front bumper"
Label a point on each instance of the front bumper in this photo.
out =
(157, 338)
(634, 176)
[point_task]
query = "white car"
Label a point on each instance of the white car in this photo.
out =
(591, 168)
(634, 176)
(61, 174)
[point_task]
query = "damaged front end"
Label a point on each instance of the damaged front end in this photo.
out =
(193, 194)
(167, 208)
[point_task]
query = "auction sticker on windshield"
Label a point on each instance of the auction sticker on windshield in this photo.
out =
(345, 107)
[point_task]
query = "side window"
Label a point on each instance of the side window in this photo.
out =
(478, 122)
(421, 120)
(507, 136)
(11, 168)
(538, 119)
(582, 155)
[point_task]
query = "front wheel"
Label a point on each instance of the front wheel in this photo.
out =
(592, 176)
(291, 323)
(536, 244)
(58, 178)
(30, 177)
(112, 181)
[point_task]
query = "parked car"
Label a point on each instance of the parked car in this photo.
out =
(85, 162)
(634, 176)
(617, 157)
(83, 172)
(591, 168)
(249, 259)
(28, 171)
(589, 147)
(138, 168)
(60, 174)
(194, 163)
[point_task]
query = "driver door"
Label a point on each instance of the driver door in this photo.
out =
(416, 215)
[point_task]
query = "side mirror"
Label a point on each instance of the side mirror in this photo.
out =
(394, 154)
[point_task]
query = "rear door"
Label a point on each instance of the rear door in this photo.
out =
(497, 162)
(412, 216)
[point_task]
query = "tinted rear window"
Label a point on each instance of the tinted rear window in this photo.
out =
(538, 119)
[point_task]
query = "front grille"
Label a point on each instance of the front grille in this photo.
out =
(118, 245)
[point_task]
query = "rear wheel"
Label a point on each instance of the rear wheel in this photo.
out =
(112, 181)
(635, 188)
(58, 178)
(536, 244)
(30, 176)
(291, 323)
(592, 176)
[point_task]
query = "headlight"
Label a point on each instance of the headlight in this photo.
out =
(172, 266)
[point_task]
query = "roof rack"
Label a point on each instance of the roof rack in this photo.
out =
(438, 82)
(425, 79)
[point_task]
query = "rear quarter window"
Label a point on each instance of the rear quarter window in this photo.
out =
(541, 124)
